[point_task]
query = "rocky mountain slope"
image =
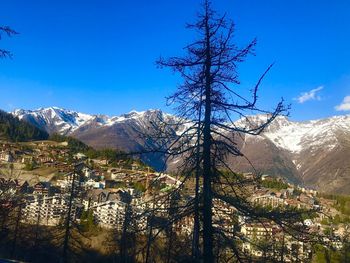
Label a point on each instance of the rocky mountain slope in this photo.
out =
(314, 153)
(125, 132)
(320, 150)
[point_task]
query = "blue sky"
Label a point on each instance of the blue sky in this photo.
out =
(98, 56)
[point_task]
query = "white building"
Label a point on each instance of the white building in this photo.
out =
(268, 200)
(110, 214)
(47, 210)
(93, 184)
(308, 222)
(6, 156)
(108, 206)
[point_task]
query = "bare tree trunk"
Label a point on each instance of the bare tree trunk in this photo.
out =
(170, 244)
(14, 244)
(282, 251)
(68, 225)
(149, 239)
(150, 233)
(207, 166)
(123, 250)
(196, 224)
(3, 223)
(37, 230)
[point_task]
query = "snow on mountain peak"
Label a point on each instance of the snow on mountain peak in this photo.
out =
(293, 136)
(67, 121)
(54, 118)
(289, 135)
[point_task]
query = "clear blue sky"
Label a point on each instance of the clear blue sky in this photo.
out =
(97, 56)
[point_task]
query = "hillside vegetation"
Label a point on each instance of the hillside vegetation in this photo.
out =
(112, 155)
(14, 130)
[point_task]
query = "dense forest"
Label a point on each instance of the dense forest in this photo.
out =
(13, 129)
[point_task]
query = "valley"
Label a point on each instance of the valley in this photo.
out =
(312, 153)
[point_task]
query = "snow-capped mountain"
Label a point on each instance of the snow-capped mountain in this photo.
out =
(319, 149)
(297, 136)
(314, 152)
(54, 119)
(124, 132)
(62, 121)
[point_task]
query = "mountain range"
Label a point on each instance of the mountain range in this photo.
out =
(313, 153)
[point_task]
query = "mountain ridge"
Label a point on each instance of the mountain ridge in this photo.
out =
(299, 150)
(13, 129)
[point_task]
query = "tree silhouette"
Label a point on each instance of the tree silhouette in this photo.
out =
(208, 103)
(9, 32)
(69, 224)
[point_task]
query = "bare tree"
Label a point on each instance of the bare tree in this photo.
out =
(208, 103)
(69, 220)
(11, 204)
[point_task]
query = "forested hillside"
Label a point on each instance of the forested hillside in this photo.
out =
(13, 129)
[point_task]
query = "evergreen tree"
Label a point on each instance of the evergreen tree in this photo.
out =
(13, 129)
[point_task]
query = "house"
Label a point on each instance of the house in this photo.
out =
(41, 188)
(294, 203)
(27, 159)
(308, 222)
(94, 197)
(80, 156)
(6, 156)
(168, 180)
(249, 176)
(117, 175)
(42, 158)
(93, 184)
(101, 161)
(269, 199)
(258, 230)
